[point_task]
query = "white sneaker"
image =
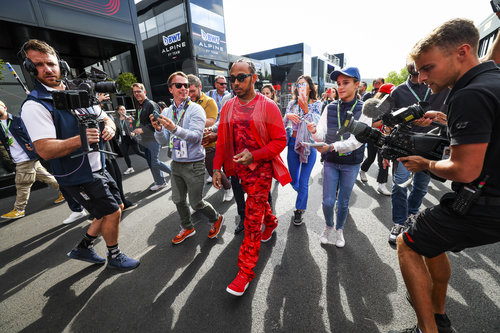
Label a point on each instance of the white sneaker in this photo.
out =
(228, 195)
(74, 216)
(157, 187)
(324, 236)
(340, 242)
(129, 171)
(383, 190)
(362, 176)
(209, 180)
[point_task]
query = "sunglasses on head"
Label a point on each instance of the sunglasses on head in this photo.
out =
(180, 85)
(221, 83)
(239, 77)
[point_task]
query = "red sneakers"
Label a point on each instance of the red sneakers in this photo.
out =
(268, 233)
(183, 234)
(214, 231)
(239, 285)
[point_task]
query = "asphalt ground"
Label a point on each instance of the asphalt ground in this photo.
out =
(300, 285)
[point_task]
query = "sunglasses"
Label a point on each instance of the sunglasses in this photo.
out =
(180, 85)
(221, 83)
(299, 85)
(239, 77)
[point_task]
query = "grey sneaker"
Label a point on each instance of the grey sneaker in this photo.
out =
(395, 231)
(412, 218)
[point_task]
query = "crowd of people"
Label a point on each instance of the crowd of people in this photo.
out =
(238, 137)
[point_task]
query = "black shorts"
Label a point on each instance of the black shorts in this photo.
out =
(100, 197)
(438, 229)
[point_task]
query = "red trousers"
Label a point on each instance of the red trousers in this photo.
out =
(256, 185)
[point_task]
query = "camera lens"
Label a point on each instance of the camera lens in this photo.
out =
(105, 87)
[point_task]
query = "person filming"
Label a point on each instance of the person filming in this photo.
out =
(56, 136)
(470, 215)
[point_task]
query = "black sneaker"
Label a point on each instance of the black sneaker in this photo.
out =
(240, 227)
(297, 219)
(395, 231)
(443, 323)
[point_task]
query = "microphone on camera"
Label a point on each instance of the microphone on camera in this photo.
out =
(375, 108)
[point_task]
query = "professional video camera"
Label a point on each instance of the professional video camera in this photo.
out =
(401, 141)
(81, 94)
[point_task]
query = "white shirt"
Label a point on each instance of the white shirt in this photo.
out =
(344, 146)
(40, 125)
(16, 151)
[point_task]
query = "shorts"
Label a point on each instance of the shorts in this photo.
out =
(100, 197)
(438, 229)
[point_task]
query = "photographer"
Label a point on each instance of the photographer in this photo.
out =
(405, 206)
(55, 135)
(469, 216)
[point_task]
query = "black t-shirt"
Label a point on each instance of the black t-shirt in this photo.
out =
(146, 109)
(474, 117)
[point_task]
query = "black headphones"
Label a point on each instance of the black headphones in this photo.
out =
(31, 67)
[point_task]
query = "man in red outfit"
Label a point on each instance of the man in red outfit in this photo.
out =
(251, 137)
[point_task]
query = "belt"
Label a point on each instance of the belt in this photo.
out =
(294, 134)
(188, 162)
(488, 201)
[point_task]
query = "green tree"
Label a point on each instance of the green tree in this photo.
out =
(395, 78)
(1, 68)
(124, 82)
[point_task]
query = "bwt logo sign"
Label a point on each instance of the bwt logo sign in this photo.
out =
(209, 37)
(173, 38)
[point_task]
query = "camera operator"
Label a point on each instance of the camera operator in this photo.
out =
(469, 216)
(55, 135)
(404, 206)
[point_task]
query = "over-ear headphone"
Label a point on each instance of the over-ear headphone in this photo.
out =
(31, 67)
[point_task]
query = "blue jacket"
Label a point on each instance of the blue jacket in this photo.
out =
(66, 127)
(354, 157)
(20, 133)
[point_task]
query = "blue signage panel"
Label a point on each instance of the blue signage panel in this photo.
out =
(208, 43)
(174, 44)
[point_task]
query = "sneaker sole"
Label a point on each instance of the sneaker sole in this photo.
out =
(12, 218)
(298, 222)
(122, 269)
(386, 194)
(182, 240)
(85, 259)
(237, 293)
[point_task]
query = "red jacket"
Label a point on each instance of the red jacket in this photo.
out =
(268, 130)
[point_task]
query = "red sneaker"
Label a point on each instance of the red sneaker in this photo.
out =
(183, 234)
(214, 231)
(239, 285)
(268, 233)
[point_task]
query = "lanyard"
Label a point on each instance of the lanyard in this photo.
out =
(6, 129)
(338, 114)
(415, 94)
(174, 109)
(138, 116)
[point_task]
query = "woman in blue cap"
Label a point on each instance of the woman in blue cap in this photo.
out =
(342, 154)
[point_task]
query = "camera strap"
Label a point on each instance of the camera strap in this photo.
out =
(415, 94)
(338, 115)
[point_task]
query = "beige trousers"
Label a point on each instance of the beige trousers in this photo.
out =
(26, 174)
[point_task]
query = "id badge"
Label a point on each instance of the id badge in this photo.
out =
(124, 133)
(10, 141)
(180, 148)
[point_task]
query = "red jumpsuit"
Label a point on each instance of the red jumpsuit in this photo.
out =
(256, 126)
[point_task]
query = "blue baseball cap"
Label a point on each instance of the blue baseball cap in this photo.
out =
(348, 71)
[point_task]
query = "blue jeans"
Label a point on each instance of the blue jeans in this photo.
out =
(156, 166)
(300, 173)
(402, 204)
(339, 177)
